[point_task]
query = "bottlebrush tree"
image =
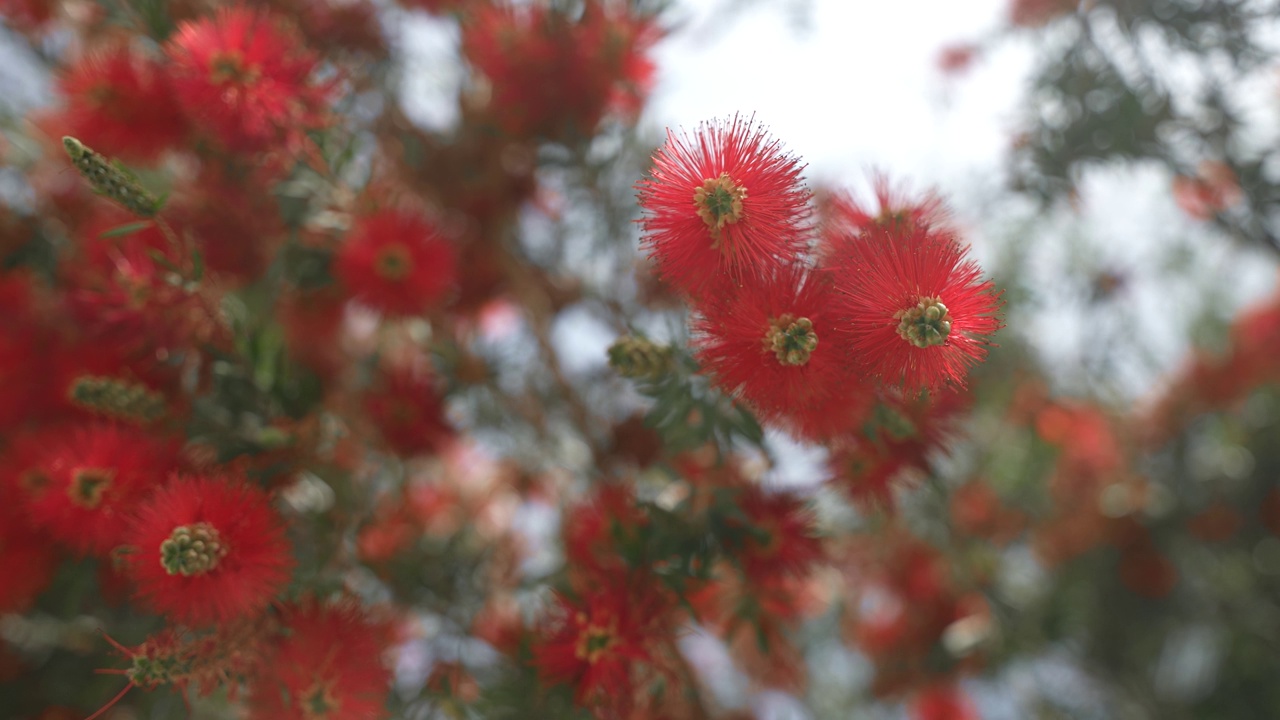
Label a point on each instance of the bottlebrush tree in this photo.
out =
(298, 422)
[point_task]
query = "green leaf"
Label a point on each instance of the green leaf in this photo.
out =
(126, 229)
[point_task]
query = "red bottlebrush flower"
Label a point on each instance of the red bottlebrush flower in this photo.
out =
(244, 77)
(594, 529)
(120, 102)
(95, 475)
(1147, 572)
(600, 643)
(311, 321)
(956, 59)
(555, 77)
(780, 538)
(24, 347)
(208, 550)
(26, 15)
(773, 344)
(913, 306)
(397, 262)
(943, 702)
(29, 561)
(896, 208)
(868, 470)
(233, 219)
(1036, 13)
(328, 666)
(977, 511)
(406, 407)
(220, 658)
(727, 204)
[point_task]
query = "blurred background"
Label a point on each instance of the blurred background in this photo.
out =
(1092, 531)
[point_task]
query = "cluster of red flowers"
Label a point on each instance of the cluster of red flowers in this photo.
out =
(807, 321)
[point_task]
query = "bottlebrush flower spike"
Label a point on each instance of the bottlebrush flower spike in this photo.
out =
(727, 203)
(774, 344)
(398, 262)
(111, 181)
(328, 666)
(912, 307)
(244, 77)
(208, 550)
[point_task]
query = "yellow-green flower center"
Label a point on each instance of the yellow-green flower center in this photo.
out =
(393, 262)
(88, 485)
(192, 550)
(925, 325)
(791, 339)
(719, 202)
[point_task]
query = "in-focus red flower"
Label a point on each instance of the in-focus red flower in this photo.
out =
(600, 643)
(120, 102)
(398, 262)
(773, 344)
(724, 205)
(555, 77)
(244, 77)
(914, 308)
(327, 667)
(208, 550)
(95, 475)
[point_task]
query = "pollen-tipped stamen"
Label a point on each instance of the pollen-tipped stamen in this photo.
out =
(791, 339)
(192, 550)
(925, 325)
(719, 202)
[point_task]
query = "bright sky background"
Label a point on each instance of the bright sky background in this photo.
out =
(847, 84)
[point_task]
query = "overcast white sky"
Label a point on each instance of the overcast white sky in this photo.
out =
(855, 85)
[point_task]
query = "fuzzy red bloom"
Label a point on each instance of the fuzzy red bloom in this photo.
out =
(555, 77)
(726, 204)
(120, 102)
(943, 702)
(595, 528)
(24, 347)
(914, 308)
(773, 344)
(599, 643)
(93, 478)
(405, 405)
(328, 667)
(780, 540)
(29, 561)
(896, 207)
(244, 77)
(1036, 13)
(398, 262)
(208, 550)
